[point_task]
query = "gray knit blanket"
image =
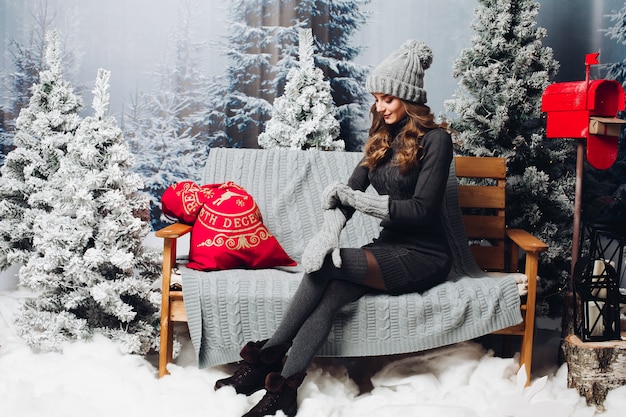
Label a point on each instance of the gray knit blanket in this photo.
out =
(225, 309)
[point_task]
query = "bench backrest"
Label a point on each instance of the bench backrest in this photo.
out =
(482, 201)
(287, 185)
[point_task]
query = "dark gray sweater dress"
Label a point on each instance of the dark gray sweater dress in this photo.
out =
(412, 250)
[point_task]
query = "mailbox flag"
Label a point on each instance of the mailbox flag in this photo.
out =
(592, 59)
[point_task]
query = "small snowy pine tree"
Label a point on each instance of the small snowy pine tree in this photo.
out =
(502, 78)
(88, 266)
(261, 48)
(304, 117)
(336, 58)
(43, 130)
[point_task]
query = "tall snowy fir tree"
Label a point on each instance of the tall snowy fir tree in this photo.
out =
(26, 55)
(43, 130)
(304, 117)
(598, 184)
(88, 267)
(498, 113)
(168, 129)
(617, 71)
(262, 47)
(617, 32)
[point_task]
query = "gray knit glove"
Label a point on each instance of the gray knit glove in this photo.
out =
(324, 242)
(372, 204)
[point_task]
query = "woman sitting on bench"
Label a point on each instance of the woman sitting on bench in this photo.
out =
(407, 159)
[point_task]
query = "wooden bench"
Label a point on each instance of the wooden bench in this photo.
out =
(483, 205)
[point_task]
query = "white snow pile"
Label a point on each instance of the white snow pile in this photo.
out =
(94, 378)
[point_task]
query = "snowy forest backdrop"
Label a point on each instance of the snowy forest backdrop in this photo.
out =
(132, 38)
(188, 75)
(165, 57)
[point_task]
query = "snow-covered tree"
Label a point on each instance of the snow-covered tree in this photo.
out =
(304, 117)
(262, 47)
(43, 130)
(26, 55)
(88, 266)
(169, 129)
(5, 142)
(497, 109)
(164, 148)
(617, 71)
(603, 183)
(617, 32)
(334, 23)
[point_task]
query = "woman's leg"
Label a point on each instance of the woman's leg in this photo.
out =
(358, 266)
(281, 388)
(374, 278)
(315, 329)
(309, 320)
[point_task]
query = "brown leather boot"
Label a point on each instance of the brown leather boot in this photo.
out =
(256, 364)
(281, 395)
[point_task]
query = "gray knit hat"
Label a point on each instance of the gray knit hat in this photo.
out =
(402, 73)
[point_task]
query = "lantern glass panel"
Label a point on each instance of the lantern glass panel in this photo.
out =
(596, 291)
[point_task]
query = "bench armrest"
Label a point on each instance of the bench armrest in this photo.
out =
(173, 231)
(521, 239)
(525, 240)
(169, 235)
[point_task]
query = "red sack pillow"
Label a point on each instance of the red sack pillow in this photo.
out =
(228, 230)
(183, 201)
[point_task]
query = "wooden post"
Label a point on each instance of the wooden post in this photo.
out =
(580, 156)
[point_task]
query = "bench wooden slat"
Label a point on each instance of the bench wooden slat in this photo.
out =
(177, 307)
(489, 258)
(471, 196)
(480, 167)
(513, 330)
(484, 227)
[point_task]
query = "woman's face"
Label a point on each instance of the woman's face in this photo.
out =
(390, 108)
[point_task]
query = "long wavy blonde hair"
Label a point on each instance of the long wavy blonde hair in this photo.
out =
(419, 121)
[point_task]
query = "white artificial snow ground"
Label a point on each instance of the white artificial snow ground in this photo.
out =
(95, 379)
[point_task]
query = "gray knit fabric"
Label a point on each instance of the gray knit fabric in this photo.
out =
(402, 73)
(225, 309)
(324, 242)
(314, 331)
(312, 309)
(367, 203)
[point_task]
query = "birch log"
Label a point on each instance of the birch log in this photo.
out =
(594, 368)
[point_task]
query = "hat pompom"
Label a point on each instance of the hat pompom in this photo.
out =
(421, 50)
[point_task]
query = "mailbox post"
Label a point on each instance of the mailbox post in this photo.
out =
(585, 110)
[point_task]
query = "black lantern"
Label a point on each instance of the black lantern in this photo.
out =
(596, 295)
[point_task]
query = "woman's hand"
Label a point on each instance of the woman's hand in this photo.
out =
(329, 197)
(324, 242)
(340, 194)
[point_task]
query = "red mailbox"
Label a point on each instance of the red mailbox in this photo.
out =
(586, 110)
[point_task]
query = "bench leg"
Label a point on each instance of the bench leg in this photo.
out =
(167, 346)
(526, 351)
(167, 330)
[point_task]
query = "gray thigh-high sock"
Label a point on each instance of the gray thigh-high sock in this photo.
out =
(315, 329)
(312, 289)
